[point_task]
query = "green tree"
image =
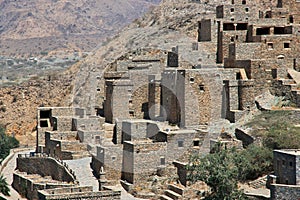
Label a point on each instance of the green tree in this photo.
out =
(253, 162)
(219, 172)
(4, 189)
(6, 143)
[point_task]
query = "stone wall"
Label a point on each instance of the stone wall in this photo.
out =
(230, 37)
(78, 193)
(64, 145)
(188, 98)
(134, 129)
(62, 123)
(44, 166)
(90, 137)
(238, 12)
(88, 124)
(110, 158)
(181, 172)
(138, 105)
(62, 135)
(117, 100)
(244, 137)
(171, 101)
(197, 99)
(154, 97)
(282, 192)
(180, 141)
(28, 185)
(205, 30)
(247, 93)
(141, 159)
(63, 111)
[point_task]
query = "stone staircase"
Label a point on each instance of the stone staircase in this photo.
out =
(259, 183)
(173, 192)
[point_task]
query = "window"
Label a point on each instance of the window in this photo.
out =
(195, 46)
(228, 27)
(196, 143)
(283, 162)
(268, 14)
(274, 73)
(45, 114)
(291, 19)
(270, 45)
(180, 143)
(286, 45)
(247, 9)
(279, 30)
(244, 2)
(201, 88)
(242, 26)
(232, 1)
(98, 89)
(238, 76)
(263, 31)
(232, 19)
(162, 161)
(279, 4)
(43, 123)
(131, 113)
(231, 9)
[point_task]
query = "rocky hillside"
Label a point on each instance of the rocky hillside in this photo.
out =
(32, 27)
(18, 104)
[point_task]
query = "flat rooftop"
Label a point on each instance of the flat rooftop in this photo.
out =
(295, 152)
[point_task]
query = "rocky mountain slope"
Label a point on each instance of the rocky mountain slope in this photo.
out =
(31, 27)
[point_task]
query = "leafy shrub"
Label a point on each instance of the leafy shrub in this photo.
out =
(219, 171)
(6, 143)
(222, 170)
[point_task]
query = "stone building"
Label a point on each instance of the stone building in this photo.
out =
(126, 84)
(156, 109)
(66, 132)
(261, 43)
(287, 166)
(54, 119)
(287, 173)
